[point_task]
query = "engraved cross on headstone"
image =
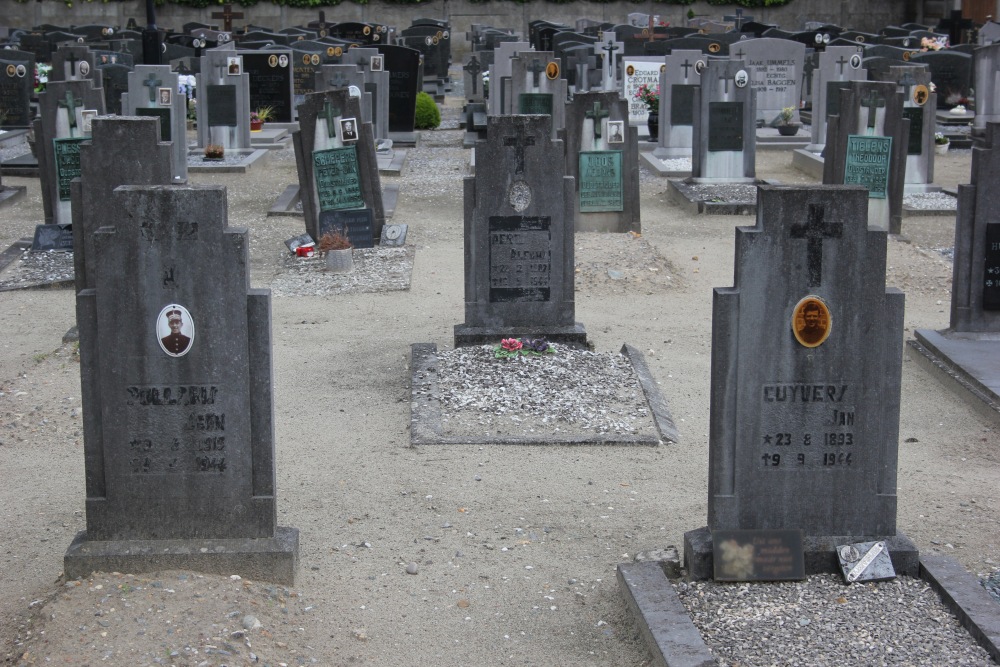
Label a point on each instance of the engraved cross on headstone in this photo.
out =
(536, 67)
(70, 104)
(330, 113)
(843, 61)
(227, 15)
(873, 103)
(725, 77)
(740, 53)
(687, 64)
(814, 231)
(518, 143)
(151, 82)
(597, 113)
(71, 60)
(907, 79)
(474, 67)
(338, 80)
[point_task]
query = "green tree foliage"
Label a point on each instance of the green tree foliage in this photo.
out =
(427, 116)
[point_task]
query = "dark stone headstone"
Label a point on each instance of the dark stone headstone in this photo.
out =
(403, 65)
(52, 237)
(356, 224)
(17, 83)
(271, 82)
(951, 72)
(115, 78)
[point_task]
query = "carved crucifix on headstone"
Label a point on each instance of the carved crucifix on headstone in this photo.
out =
(71, 60)
(338, 80)
(873, 104)
(814, 231)
(70, 104)
(536, 67)
(152, 82)
(473, 67)
(518, 143)
(687, 65)
(227, 15)
(597, 113)
(330, 113)
(611, 68)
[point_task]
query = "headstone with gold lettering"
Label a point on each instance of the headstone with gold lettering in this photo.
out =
(806, 371)
(175, 355)
(519, 235)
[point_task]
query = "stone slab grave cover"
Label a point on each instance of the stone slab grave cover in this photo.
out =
(775, 67)
(986, 71)
(121, 151)
(537, 87)
(919, 106)
(337, 172)
(806, 372)
(724, 137)
(153, 92)
(602, 156)
(175, 352)
(223, 99)
(59, 131)
(679, 80)
(519, 232)
(17, 85)
(968, 351)
(271, 82)
(866, 145)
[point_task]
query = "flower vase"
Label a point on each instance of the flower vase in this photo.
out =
(256, 125)
(653, 123)
(340, 261)
(942, 149)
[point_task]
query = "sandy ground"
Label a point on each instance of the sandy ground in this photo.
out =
(516, 546)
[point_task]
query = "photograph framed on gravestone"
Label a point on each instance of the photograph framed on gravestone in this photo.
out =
(175, 330)
(758, 555)
(165, 96)
(376, 63)
(87, 117)
(811, 321)
(234, 65)
(348, 129)
(616, 131)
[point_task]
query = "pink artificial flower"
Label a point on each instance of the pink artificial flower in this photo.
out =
(510, 344)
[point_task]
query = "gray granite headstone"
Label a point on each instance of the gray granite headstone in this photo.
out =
(472, 77)
(724, 138)
(986, 72)
(500, 72)
(603, 164)
(775, 67)
(17, 83)
(866, 145)
(375, 86)
(175, 355)
(837, 66)
(536, 86)
(919, 107)
(679, 80)
(223, 99)
(146, 94)
(519, 231)
(75, 63)
(806, 371)
(336, 172)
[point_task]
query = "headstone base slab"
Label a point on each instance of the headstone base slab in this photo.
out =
(809, 163)
(567, 335)
(23, 165)
(407, 139)
(272, 559)
(683, 195)
(391, 163)
(11, 193)
(920, 188)
(966, 363)
(820, 553)
(654, 163)
(251, 158)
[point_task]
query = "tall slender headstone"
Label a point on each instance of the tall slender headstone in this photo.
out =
(224, 99)
(986, 72)
(153, 91)
(837, 67)
(537, 87)
(806, 372)
(679, 80)
(725, 135)
(919, 107)
(175, 355)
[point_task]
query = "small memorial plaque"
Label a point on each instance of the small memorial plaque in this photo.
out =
(540, 103)
(393, 236)
(163, 115)
(915, 144)
(725, 126)
(601, 181)
(338, 180)
(356, 224)
(758, 555)
(67, 158)
(682, 104)
(221, 101)
(520, 258)
(868, 160)
(52, 237)
(991, 267)
(865, 561)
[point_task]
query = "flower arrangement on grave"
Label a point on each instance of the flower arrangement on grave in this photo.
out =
(486, 83)
(940, 139)
(650, 97)
(215, 151)
(334, 240)
(259, 117)
(522, 347)
(785, 115)
(934, 43)
(42, 71)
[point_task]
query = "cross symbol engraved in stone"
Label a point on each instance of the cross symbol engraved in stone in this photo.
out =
(473, 67)
(152, 82)
(843, 61)
(907, 79)
(227, 15)
(597, 113)
(740, 53)
(519, 142)
(725, 77)
(873, 103)
(330, 113)
(338, 80)
(814, 231)
(536, 67)
(687, 64)
(72, 60)
(70, 105)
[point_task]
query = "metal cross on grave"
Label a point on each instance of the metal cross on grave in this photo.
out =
(321, 24)
(151, 82)
(227, 15)
(519, 142)
(597, 113)
(71, 60)
(330, 113)
(611, 67)
(70, 104)
(873, 103)
(536, 67)
(473, 67)
(814, 231)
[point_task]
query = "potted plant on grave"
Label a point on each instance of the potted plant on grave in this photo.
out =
(338, 250)
(941, 143)
(651, 98)
(259, 117)
(214, 152)
(783, 122)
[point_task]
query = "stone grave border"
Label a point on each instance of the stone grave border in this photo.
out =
(425, 414)
(11, 193)
(672, 638)
(655, 166)
(910, 212)
(681, 194)
(12, 254)
(287, 203)
(251, 156)
(943, 358)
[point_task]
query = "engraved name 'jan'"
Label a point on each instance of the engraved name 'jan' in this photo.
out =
(804, 393)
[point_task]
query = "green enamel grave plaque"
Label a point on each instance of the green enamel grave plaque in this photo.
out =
(868, 161)
(337, 178)
(601, 181)
(539, 103)
(67, 156)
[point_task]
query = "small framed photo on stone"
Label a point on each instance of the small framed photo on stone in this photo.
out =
(234, 65)
(348, 129)
(175, 330)
(376, 64)
(84, 68)
(87, 117)
(165, 96)
(616, 132)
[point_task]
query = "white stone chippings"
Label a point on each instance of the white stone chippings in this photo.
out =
(824, 622)
(375, 270)
(37, 268)
(677, 164)
(730, 193)
(555, 393)
(931, 201)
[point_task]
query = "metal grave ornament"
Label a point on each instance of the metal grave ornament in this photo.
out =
(865, 561)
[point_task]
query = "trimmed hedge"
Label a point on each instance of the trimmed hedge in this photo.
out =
(201, 4)
(427, 115)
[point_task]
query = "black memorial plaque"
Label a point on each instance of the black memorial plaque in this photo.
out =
(270, 82)
(915, 144)
(833, 89)
(520, 258)
(221, 101)
(164, 116)
(535, 103)
(16, 85)
(52, 237)
(682, 104)
(725, 126)
(991, 267)
(758, 555)
(356, 224)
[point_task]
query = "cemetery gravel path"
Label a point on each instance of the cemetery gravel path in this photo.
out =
(515, 547)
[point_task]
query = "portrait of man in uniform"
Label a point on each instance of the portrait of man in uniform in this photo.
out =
(175, 329)
(811, 322)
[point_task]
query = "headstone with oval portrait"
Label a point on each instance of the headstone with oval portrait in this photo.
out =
(153, 91)
(807, 438)
(75, 63)
(223, 99)
(271, 82)
(178, 445)
(837, 67)
(17, 83)
(724, 137)
(680, 78)
(537, 87)
(919, 107)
